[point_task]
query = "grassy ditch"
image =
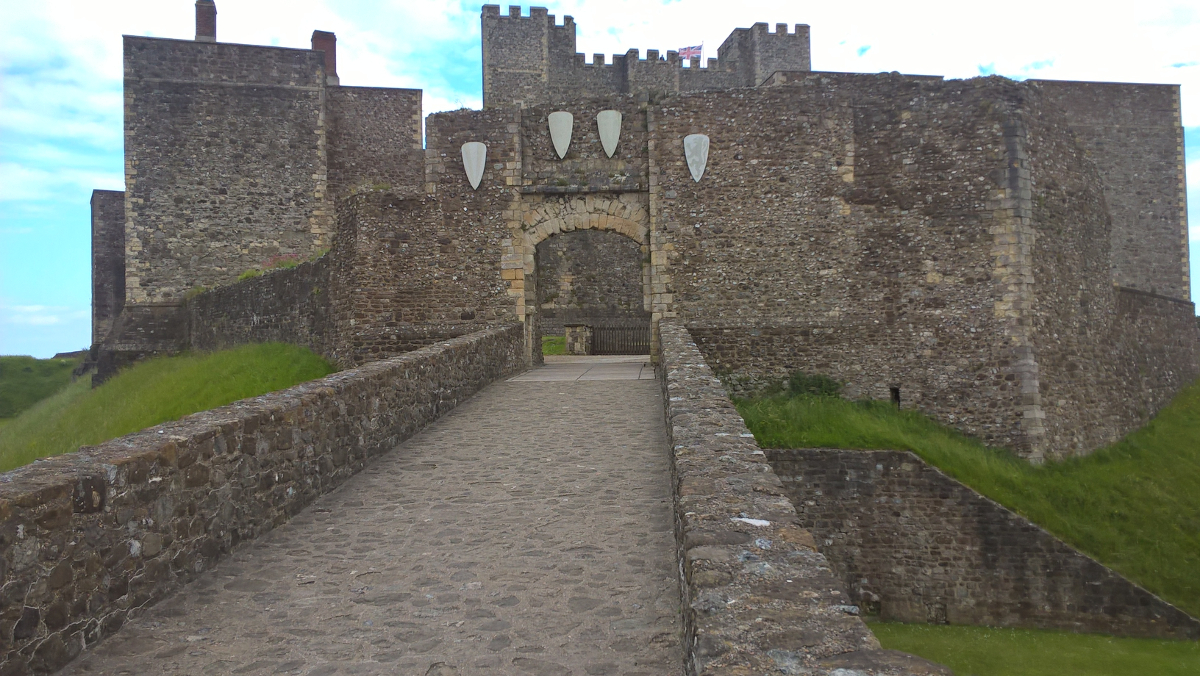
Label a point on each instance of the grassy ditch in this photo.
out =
(149, 393)
(987, 651)
(24, 381)
(1135, 505)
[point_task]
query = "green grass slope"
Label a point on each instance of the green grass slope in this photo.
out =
(24, 381)
(152, 392)
(1135, 505)
(986, 651)
(552, 345)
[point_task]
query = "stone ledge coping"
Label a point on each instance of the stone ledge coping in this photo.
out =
(756, 595)
(573, 189)
(89, 538)
(1150, 294)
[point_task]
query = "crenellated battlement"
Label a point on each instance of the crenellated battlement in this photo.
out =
(514, 12)
(530, 60)
(653, 58)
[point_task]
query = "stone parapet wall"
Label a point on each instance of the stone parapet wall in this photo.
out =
(913, 545)
(757, 597)
(90, 538)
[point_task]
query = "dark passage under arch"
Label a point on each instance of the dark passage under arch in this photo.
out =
(594, 278)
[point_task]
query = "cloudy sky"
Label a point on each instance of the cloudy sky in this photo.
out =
(60, 87)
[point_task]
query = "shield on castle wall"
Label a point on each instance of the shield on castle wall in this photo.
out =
(560, 131)
(474, 156)
(695, 149)
(608, 122)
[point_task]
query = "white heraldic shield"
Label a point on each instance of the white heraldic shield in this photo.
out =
(695, 149)
(474, 158)
(560, 131)
(609, 124)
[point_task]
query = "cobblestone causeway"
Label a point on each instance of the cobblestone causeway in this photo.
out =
(527, 532)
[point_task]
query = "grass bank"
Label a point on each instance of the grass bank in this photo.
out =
(149, 393)
(1135, 505)
(987, 651)
(554, 345)
(24, 381)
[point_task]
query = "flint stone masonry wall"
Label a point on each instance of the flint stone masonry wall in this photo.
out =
(589, 275)
(89, 538)
(290, 306)
(946, 238)
(757, 596)
(224, 162)
(1134, 135)
(415, 271)
(852, 225)
(108, 260)
(913, 545)
(375, 141)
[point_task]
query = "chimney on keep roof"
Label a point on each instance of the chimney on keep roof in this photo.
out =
(325, 41)
(206, 21)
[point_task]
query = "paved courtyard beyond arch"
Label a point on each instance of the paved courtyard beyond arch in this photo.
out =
(529, 531)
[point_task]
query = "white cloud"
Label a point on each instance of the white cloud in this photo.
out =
(43, 315)
(25, 183)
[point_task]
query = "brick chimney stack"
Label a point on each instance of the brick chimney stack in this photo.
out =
(327, 42)
(206, 21)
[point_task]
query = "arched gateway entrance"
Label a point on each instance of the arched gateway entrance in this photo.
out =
(599, 294)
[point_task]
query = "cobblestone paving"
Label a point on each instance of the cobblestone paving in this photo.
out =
(527, 532)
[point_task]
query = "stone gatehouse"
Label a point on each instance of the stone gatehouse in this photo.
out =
(1009, 257)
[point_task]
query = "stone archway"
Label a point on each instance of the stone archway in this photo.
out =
(537, 218)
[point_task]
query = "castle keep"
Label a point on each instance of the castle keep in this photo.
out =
(1008, 257)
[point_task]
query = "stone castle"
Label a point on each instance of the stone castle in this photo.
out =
(1008, 257)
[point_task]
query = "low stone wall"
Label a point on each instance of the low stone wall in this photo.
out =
(289, 305)
(140, 332)
(914, 545)
(757, 597)
(90, 537)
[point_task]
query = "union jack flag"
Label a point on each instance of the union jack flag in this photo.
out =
(691, 52)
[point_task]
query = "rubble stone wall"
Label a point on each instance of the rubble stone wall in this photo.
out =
(108, 260)
(375, 141)
(913, 545)
(90, 538)
(1134, 135)
(856, 226)
(225, 162)
(289, 305)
